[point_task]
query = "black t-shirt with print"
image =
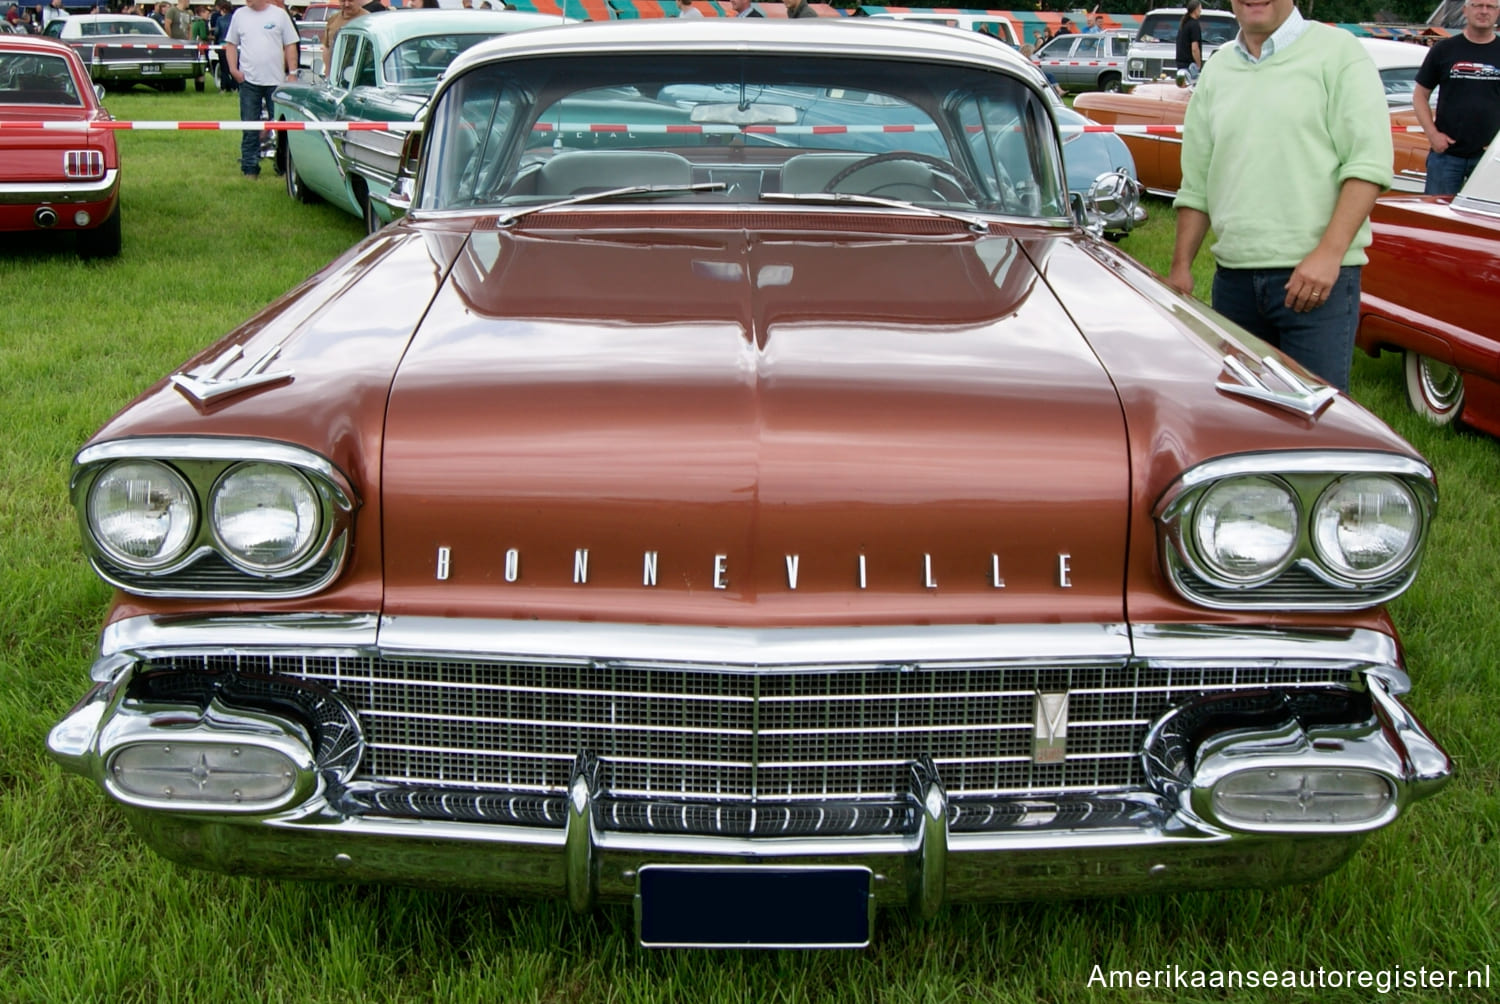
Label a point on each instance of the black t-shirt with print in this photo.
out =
(1466, 76)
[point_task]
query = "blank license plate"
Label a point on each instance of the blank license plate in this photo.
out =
(707, 906)
(149, 68)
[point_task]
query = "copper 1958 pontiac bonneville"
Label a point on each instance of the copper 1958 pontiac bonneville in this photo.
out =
(741, 484)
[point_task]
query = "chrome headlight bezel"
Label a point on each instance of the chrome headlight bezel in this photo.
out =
(206, 567)
(1306, 579)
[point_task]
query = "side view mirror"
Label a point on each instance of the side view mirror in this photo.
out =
(1110, 205)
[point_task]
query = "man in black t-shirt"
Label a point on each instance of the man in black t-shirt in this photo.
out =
(1465, 71)
(1190, 39)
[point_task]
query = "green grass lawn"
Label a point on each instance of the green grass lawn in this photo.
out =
(88, 914)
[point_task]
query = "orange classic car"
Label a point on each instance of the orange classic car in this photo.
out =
(62, 179)
(760, 494)
(1428, 292)
(1158, 156)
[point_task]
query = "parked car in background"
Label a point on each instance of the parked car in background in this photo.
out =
(1153, 53)
(984, 22)
(1158, 157)
(1428, 293)
(1085, 62)
(55, 179)
(310, 28)
(123, 50)
(743, 485)
(385, 66)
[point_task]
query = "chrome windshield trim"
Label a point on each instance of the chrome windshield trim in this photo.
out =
(753, 649)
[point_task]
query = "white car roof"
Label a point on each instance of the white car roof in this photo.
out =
(1392, 55)
(881, 37)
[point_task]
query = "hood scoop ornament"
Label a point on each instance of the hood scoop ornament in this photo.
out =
(209, 384)
(1275, 385)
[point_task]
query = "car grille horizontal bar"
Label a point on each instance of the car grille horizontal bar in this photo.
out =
(724, 736)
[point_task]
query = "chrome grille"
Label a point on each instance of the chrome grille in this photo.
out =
(687, 734)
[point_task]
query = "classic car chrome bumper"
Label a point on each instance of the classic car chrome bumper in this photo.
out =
(27, 193)
(114, 71)
(231, 747)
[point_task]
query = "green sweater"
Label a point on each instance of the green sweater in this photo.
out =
(1266, 146)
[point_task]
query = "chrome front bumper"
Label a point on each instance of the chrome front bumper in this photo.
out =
(925, 848)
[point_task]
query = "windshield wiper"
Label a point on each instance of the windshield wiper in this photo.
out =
(978, 224)
(631, 191)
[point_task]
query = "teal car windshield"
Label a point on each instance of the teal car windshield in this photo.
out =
(423, 60)
(743, 129)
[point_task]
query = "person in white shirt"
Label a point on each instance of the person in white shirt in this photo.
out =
(53, 12)
(685, 8)
(261, 50)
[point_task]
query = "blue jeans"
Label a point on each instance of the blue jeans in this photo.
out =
(1446, 173)
(1321, 339)
(254, 98)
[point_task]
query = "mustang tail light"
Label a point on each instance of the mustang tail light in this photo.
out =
(83, 165)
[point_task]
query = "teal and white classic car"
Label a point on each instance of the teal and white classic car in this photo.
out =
(383, 68)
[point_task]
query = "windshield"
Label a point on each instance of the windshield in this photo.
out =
(1164, 27)
(540, 130)
(423, 60)
(134, 26)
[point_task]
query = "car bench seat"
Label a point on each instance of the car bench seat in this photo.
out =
(577, 172)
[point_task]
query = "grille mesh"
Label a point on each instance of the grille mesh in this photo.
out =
(691, 734)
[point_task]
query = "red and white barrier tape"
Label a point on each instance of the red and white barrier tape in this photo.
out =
(262, 126)
(566, 127)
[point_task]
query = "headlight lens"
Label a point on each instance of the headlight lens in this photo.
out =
(142, 513)
(1245, 529)
(266, 516)
(1366, 527)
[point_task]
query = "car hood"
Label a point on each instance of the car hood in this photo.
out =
(743, 426)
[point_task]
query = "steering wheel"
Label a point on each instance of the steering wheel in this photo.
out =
(957, 181)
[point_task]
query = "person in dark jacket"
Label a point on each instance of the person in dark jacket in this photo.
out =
(799, 8)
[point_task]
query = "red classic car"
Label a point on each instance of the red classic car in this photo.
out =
(743, 484)
(1429, 292)
(55, 179)
(1158, 157)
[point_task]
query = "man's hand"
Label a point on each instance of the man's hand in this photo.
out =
(1439, 141)
(1312, 280)
(1180, 278)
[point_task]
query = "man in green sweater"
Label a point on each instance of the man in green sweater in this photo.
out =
(1286, 144)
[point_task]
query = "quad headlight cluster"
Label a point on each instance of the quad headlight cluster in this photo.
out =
(165, 517)
(1298, 531)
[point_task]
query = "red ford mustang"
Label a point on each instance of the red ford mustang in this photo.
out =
(56, 178)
